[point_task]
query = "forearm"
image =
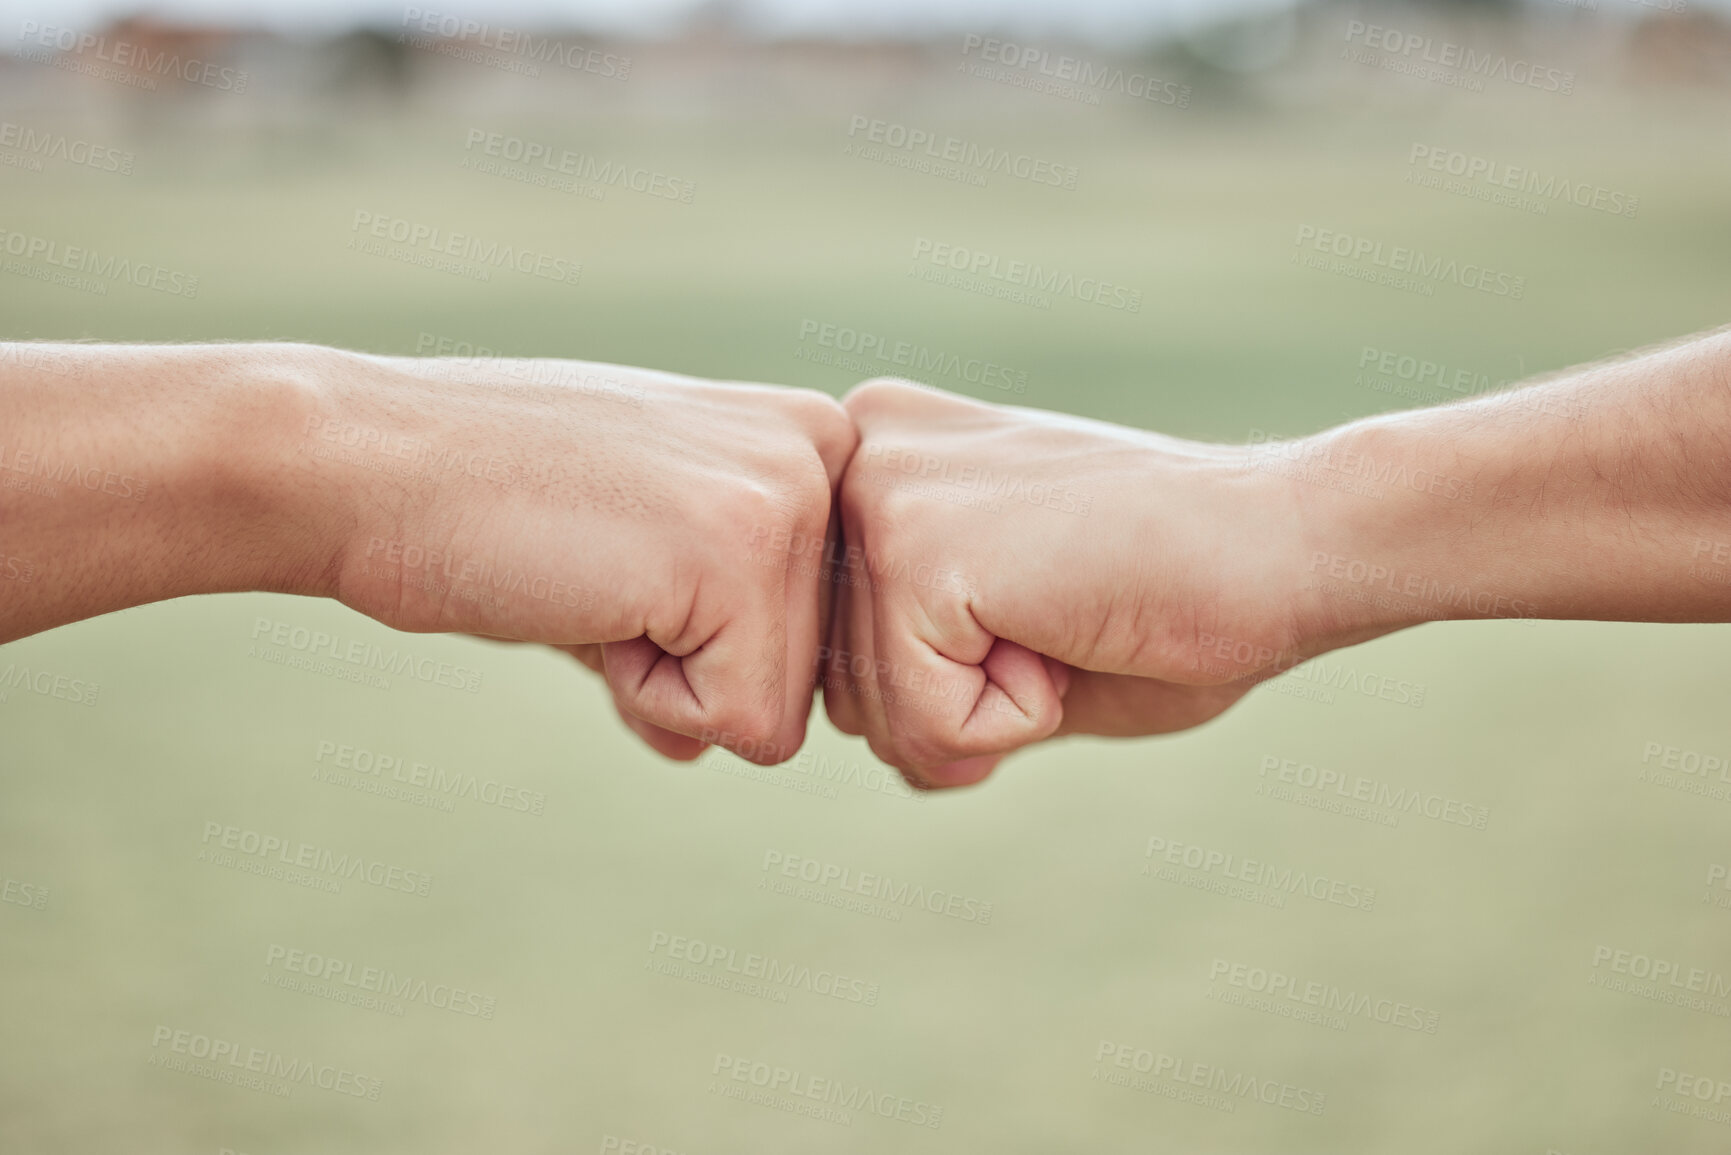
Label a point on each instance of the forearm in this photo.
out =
(134, 474)
(576, 504)
(1601, 494)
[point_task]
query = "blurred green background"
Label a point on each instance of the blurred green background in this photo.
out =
(563, 917)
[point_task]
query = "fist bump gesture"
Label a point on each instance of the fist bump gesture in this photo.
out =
(1011, 574)
(961, 579)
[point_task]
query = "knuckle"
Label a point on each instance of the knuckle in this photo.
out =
(858, 500)
(837, 425)
(887, 751)
(917, 746)
(753, 731)
(757, 508)
(873, 476)
(793, 487)
(823, 422)
(810, 495)
(818, 412)
(876, 509)
(876, 395)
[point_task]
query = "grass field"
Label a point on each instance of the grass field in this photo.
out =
(560, 922)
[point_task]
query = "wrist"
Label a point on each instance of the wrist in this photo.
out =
(271, 517)
(1395, 523)
(137, 474)
(1347, 549)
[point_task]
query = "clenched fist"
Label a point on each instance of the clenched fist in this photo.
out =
(999, 575)
(629, 516)
(641, 520)
(1010, 574)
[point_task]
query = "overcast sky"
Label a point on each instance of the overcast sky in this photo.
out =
(1102, 20)
(1092, 19)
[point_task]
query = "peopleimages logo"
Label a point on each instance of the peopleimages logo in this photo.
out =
(579, 166)
(1702, 773)
(1660, 974)
(42, 143)
(1703, 1087)
(864, 351)
(1368, 575)
(48, 684)
(361, 766)
(307, 856)
(227, 1061)
(42, 359)
(1068, 76)
(1358, 788)
(103, 268)
(1283, 994)
(26, 894)
(1514, 185)
(1223, 1088)
(953, 150)
(54, 473)
(1325, 457)
(985, 267)
(391, 558)
(1414, 262)
(795, 1091)
(433, 247)
(1424, 380)
(765, 968)
(1449, 55)
(343, 977)
(828, 875)
(1278, 880)
(941, 471)
(450, 35)
(139, 58)
(363, 655)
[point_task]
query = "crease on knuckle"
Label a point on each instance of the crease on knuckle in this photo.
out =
(752, 730)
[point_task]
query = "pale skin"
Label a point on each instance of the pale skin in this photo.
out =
(1198, 570)
(998, 575)
(607, 511)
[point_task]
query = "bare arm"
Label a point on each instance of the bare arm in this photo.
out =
(133, 474)
(1121, 582)
(646, 522)
(1603, 493)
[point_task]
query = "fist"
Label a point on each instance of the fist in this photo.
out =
(1010, 574)
(667, 531)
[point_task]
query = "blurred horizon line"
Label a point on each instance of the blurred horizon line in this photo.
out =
(1103, 23)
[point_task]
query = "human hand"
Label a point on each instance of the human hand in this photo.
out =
(627, 516)
(1010, 574)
